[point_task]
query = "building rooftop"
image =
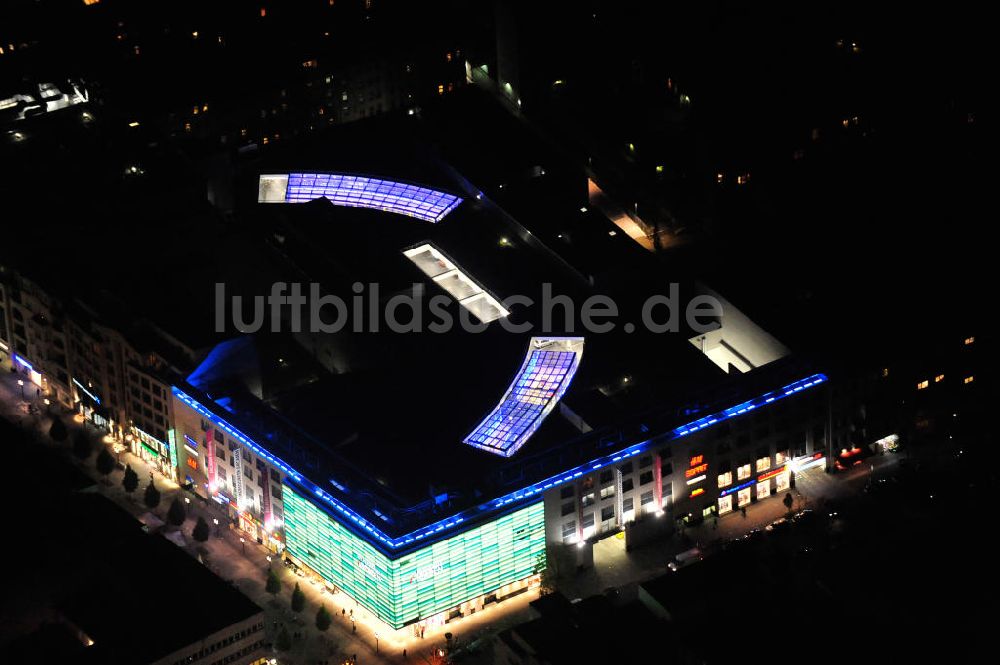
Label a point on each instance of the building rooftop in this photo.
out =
(378, 424)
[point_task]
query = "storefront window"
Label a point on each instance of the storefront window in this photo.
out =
(725, 479)
(743, 472)
(780, 457)
(782, 482)
(725, 504)
(764, 489)
(763, 464)
(743, 497)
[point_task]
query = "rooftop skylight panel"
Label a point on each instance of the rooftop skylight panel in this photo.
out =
(538, 386)
(457, 283)
(358, 192)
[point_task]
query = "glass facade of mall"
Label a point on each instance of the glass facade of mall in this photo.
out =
(423, 583)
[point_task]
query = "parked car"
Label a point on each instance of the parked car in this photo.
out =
(685, 558)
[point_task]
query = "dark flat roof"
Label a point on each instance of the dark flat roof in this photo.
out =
(87, 566)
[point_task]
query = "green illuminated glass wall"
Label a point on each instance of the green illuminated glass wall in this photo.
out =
(422, 583)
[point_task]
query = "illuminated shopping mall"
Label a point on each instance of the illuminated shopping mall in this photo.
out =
(425, 474)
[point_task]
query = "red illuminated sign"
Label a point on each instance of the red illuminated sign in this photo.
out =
(698, 492)
(696, 470)
(696, 460)
(771, 474)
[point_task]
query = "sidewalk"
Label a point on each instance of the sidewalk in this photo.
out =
(245, 565)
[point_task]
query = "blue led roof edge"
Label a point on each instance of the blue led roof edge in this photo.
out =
(539, 419)
(430, 533)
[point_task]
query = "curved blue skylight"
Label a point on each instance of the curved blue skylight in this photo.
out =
(544, 376)
(356, 191)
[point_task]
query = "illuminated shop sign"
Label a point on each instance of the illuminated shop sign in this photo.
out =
(698, 492)
(696, 460)
(150, 442)
(86, 392)
(172, 442)
(426, 573)
(695, 470)
(697, 479)
(23, 363)
(772, 473)
(736, 488)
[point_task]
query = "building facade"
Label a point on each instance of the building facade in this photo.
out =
(711, 466)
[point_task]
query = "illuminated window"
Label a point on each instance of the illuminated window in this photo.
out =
(969, 340)
(743, 472)
(725, 479)
(569, 532)
(447, 56)
(922, 385)
(628, 510)
(725, 504)
(885, 372)
(608, 491)
(764, 489)
(460, 285)
(939, 378)
(763, 464)
(780, 457)
(968, 379)
(782, 482)
(743, 497)
(263, 12)
(441, 89)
